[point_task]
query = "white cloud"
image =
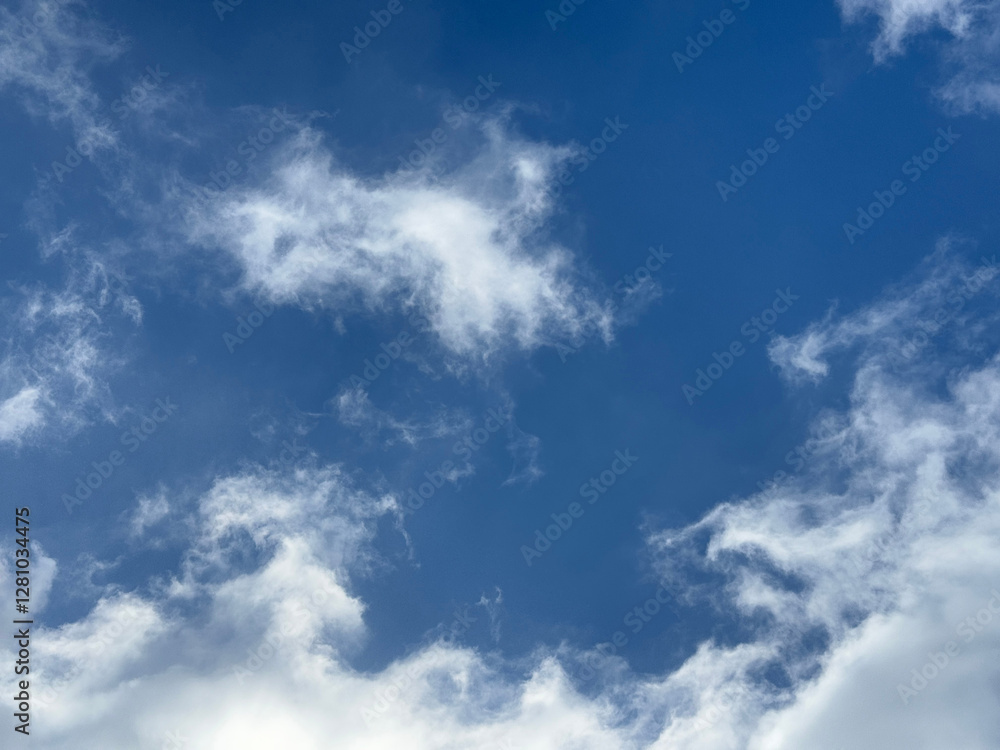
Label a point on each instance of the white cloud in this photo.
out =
(252, 656)
(901, 19)
(844, 580)
(946, 291)
(879, 550)
(150, 510)
(465, 251)
(971, 54)
(525, 450)
(42, 573)
(355, 408)
(58, 356)
(19, 414)
(47, 53)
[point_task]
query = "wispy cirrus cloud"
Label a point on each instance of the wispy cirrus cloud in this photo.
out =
(48, 49)
(945, 291)
(970, 55)
(355, 409)
(60, 347)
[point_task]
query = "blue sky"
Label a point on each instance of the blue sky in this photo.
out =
(435, 360)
